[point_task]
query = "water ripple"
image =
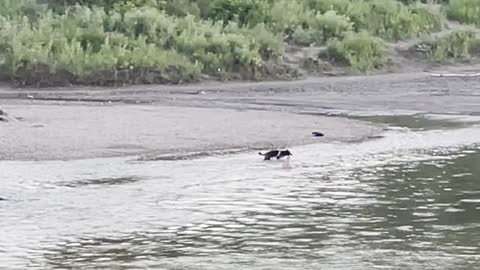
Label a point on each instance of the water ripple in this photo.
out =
(381, 204)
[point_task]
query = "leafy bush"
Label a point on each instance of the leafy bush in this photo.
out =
(185, 7)
(242, 12)
(138, 41)
(287, 15)
(465, 11)
(211, 44)
(331, 24)
(29, 8)
(388, 19)
(306, 37)
(426, 19)
(52, 47)
(361, 51)
(62, 5)
(458, 45)
(83, 41)
(341, 6)
(322, 27)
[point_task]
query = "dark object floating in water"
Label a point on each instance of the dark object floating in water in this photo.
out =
(276, 153)
(317, 134)
(2, 199)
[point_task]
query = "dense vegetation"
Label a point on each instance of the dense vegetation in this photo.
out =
(104, 42)
(466, 11)
(460, 44)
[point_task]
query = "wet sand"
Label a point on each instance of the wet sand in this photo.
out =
(74, 131)
(172, 121)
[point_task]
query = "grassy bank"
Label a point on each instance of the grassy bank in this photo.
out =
(111, 42)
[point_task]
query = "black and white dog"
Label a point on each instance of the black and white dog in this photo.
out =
(275, 153)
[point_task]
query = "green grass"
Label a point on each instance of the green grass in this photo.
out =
(172, 41)
(465, 11)
(361, 51)
(60, 43)
(83, 41)
(460, 44)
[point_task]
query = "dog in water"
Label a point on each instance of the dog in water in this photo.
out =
(276, 153)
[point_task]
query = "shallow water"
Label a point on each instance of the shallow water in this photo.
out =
(407, 200)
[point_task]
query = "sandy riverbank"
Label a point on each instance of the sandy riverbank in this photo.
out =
(172, 121)
(70, 131)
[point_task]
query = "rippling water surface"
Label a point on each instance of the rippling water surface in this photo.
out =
(407, 200)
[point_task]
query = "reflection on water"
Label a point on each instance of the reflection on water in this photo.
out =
(425, 212)
(380, 204)
(419, 122)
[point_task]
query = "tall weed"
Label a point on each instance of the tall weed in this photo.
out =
(465, 11)
(457, 45)
(361, 51)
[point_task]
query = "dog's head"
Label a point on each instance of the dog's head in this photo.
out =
(287, 153)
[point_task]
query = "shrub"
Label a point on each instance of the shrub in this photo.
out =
(175, 40)
(426, 19)
(331, 24)
(287, 15)
(385, 18)
(83, 41)
(322, 27)
(341, 6)
(242, 12)
(119, 5)
(183, 8)
(388, 19)
(465, 11)
(306, 37)
(29, 8)
(32, 52)
(208, 43)
(458, 45)
(361, 51)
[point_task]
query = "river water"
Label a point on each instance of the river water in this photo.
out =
(409, 199)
